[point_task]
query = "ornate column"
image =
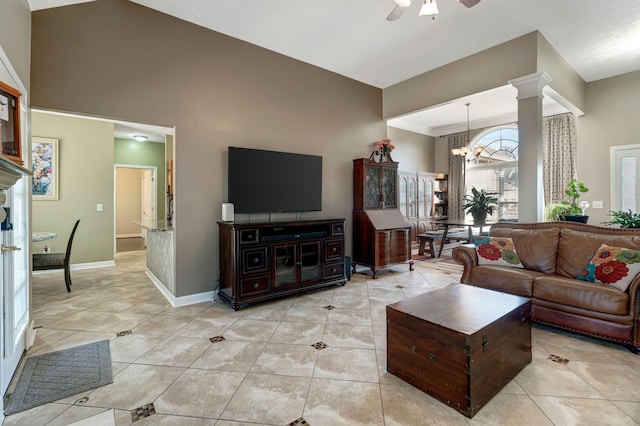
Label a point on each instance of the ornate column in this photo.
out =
(530, 186)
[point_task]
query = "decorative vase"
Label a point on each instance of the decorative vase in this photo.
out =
(479, 217)
(573, 218)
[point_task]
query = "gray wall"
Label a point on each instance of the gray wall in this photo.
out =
(414, 151)
(611, 120)
(482, 71)
(218, 92)
(15, 36)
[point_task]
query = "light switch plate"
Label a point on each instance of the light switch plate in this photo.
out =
(99, 207)
(598, 205)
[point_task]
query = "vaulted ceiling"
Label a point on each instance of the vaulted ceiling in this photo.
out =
(353, 38)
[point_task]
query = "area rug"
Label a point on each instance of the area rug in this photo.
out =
(56, 375)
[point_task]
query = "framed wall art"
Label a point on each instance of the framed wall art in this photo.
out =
(44, 163)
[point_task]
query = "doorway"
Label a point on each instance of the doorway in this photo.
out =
(135, 205)
(625, 178)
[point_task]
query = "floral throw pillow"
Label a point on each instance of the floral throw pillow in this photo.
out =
(497, 251)
(616, 266)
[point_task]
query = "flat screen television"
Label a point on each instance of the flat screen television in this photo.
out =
(269, 181)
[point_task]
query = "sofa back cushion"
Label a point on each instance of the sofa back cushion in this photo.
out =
(576, 248)
(537, 247)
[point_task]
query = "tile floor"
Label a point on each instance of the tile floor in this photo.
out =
(265, 371)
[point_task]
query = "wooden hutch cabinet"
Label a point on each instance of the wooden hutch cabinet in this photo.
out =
(262, 261)
(381, 235)
(423, 200)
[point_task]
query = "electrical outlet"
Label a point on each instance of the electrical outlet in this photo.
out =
(99, 207)
(598, 204)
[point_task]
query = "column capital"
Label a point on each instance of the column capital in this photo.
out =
(531, 85)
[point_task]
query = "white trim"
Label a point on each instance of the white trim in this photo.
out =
(14, 75)
(161, 129)
(530, 86)
(79, 267)
(614, 179)
(48, 4)
(177, 302)
(139, 235)
(31, 334)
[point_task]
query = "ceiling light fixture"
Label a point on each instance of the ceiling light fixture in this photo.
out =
(463, 150)
(140, 138)
(429, 7)
(403, 3)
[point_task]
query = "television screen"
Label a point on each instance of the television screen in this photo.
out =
(269, 181)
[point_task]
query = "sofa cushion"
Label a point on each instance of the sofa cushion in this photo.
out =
(615, 266)
(537, 248)
(591, 296)
(498, 251)
(576, 248)
(508, 280)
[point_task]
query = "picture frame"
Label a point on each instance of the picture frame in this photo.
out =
(44, 163)
(10, 129)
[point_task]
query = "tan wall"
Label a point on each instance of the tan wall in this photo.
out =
(611, 120)
(128, 201)
(15, 36)
(86, 178)
(413, 150)
(482, 71)
(218, 92)
(565, 80)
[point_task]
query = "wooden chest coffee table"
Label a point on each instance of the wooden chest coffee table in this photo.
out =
(460, 344)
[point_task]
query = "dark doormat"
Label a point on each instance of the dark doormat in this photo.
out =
(56, 375)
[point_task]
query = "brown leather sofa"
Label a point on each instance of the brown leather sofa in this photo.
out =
(553, 254)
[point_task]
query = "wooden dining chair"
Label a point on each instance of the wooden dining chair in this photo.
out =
(44, 261)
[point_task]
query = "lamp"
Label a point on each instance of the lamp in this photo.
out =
(477, 150)
(464, 150)
(429, 7)
(140, 138)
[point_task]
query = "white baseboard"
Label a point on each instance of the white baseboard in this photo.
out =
(177, 302)
(80, 266)
(139, 235)
(31, 334)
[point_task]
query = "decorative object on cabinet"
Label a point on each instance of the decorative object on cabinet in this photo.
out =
(44, 163)
(10, 123)
(381, 235)
(383, 151)
(262, 261)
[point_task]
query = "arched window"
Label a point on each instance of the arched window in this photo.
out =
(492, 164)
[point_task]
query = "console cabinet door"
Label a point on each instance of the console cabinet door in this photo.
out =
(285, 258)
(310, 262)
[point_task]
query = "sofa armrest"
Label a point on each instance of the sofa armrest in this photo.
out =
(466, 256)
(634, 311)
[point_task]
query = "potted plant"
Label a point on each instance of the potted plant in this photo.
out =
(480, 204)
(552, 211)
(573, 211)
(624, 219)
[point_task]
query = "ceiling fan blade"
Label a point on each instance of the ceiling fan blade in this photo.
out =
(469, 3)
(396, 13)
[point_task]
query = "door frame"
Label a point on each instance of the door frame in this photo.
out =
(616, 196)
(154, 170)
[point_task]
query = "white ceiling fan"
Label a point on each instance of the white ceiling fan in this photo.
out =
(429, 7)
